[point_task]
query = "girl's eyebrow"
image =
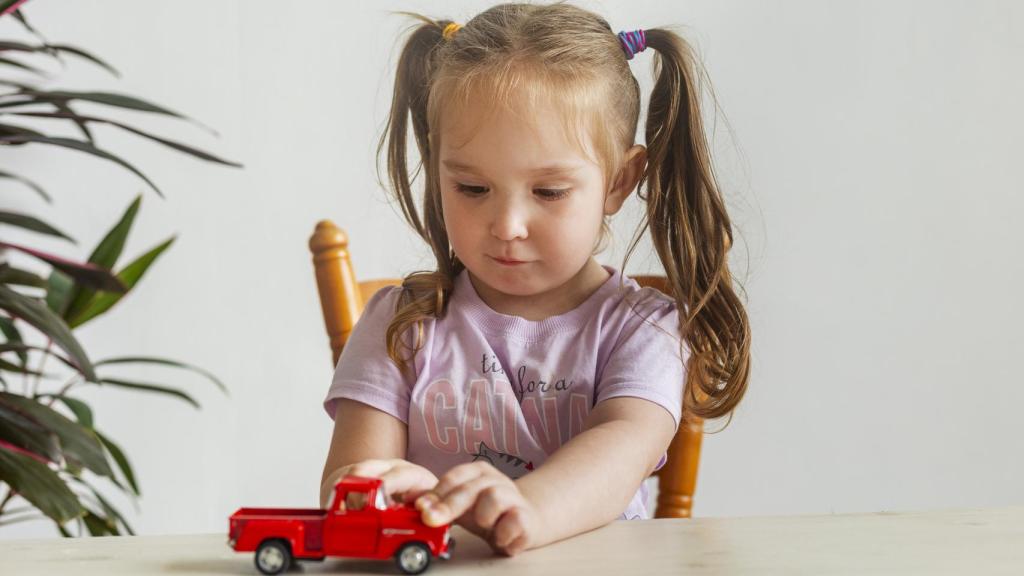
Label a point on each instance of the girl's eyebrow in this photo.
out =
(539, 171)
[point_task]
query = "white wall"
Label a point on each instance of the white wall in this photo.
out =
(872, 170)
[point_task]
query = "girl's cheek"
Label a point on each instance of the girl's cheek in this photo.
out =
(456, 212)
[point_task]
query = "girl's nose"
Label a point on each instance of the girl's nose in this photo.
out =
(509, 222)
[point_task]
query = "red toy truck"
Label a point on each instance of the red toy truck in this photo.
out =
(359, 522)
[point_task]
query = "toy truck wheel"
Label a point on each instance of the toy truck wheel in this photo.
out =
(273, 557)
(413, 558)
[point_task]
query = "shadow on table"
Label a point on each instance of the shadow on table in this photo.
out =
(470, 554)
(243, 565)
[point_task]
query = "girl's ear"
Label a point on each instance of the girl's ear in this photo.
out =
(629, 177)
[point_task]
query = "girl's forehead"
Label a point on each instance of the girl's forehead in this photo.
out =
(486, 125)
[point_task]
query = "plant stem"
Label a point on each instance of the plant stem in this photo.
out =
(24, 518)
(42, 362)
(7, 499)
(62, 391)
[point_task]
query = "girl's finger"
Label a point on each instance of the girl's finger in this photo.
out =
(469, 525)
(512, 538)
(402, 479)
(493, 502)
(460, 475)
(413, 494)
(517, 545)
(456, 502)
(367, 468)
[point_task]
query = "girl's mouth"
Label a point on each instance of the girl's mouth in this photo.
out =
(504, 262)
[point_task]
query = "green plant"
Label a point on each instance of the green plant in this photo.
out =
(51, 451)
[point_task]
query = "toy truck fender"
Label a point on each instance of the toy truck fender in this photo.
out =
(402, 525)
(301, 529)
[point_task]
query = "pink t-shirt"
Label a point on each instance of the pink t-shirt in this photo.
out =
(509, 390)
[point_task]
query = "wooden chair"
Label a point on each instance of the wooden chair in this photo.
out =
(342, 298)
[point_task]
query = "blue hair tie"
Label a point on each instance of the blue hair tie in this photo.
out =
(633, 42)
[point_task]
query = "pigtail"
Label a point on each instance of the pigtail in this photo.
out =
(692, 233)
(423, 293)
(409, 100)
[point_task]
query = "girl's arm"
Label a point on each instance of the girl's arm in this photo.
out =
(590, 480)
(585, 484)
(361, 433)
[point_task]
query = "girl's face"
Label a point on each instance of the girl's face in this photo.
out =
(522, 205)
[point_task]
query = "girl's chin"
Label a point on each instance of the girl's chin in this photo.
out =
(509, 281)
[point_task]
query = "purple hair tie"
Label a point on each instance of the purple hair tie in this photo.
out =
(633, 42)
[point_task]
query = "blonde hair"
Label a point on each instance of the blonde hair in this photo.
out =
(570, 57)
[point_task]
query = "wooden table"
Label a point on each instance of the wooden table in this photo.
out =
(985, 541)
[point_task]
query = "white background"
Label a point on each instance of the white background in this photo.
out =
(872, 166)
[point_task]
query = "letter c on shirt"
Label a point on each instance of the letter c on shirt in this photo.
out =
(440, 409)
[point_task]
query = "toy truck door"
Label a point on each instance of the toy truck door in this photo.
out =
(353, 527)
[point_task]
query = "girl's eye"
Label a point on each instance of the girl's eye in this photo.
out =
(544, 193)
(552, 193)
(471, 190)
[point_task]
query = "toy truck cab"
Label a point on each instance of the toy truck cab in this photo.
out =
(359, 522)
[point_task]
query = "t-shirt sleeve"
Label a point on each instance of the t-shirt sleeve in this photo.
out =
(648, 361)
(365, 372)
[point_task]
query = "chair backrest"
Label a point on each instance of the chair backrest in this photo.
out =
(342, 298)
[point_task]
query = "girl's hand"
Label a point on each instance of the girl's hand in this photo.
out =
(403, 480)
(486, 502)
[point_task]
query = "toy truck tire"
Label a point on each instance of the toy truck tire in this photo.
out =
(273, 557)
(413, 558)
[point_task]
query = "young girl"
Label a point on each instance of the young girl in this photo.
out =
(522, 390)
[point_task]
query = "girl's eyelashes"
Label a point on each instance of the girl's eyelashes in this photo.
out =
(552, 193)
(470, 190)
(544, 193)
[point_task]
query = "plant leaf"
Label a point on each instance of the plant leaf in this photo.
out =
(24, 22)
(31, 223)
(24, 431)
(78, 118)
(130, 276)
(85, 56)
(76, 441)
(58, 292)
(55, 51)
(11, 275)
(38, 484)
(80, 409)
(150, 388)
(164, 362)
(37, 314)
(13, 335)
(24, 101)
(105, 255)
(98, 525)
(81, 146)
(87, 273)
(74, 117)
(5, 365)
(107, 99)
(5, 520)
(10, 130)
(7, 45)
(24, 66)
(113, 516)
(21, 348)
(28, 183)
(10, 6)
(109, 249)
(121, 460)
